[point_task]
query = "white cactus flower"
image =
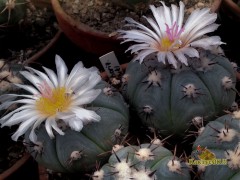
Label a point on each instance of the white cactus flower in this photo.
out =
(53, 97)
(169, 37)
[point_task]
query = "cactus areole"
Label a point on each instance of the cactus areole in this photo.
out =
(169, 99)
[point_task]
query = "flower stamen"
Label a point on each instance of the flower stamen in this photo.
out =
(172, 40)
(53, 101)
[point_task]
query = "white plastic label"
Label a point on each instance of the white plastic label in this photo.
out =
(110, 64)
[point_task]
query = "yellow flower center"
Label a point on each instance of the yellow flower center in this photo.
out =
(57, 101)
(166, 43)
(172, 40)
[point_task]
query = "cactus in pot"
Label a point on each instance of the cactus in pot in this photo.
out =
(12, 11)
(67, 119)
(146, 162)
(177, 72)
(221, 138)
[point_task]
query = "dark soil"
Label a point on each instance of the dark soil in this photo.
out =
(19, 42)
(108, 15)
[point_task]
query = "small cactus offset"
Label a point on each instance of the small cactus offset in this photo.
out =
(177, 72)
(9, 74)
(12, 11)
(216, 151)
(144, 162)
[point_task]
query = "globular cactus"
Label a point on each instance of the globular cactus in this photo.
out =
(169, 99)
(144, 162)
(177, 72)
(216, 151)
(77, 151)
(12, 11)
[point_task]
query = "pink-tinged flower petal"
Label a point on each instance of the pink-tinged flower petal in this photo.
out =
(61, 70)
(171, 59)
(174, 39)
(206, 42)
(181, 14)
(32, 135)
(52, 76)
(143, 54)
(191, 52)
(86, 98)
(159, 18)
(161, 56)
(86, 116)
(78, 68)
(20, 117)
(146, 30)
(42, 76)
(28, 88)
(175, 11)
(198, 33)
(75, 124)
(48, 126)
(167, 14)
(180, 56)
(23, 128)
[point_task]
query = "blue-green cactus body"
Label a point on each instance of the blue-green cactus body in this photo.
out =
(156, 167)
(168, 99)
(221, 144)
(94, 139)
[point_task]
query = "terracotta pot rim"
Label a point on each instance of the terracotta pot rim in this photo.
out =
(216, 5)
(232, 7)
(15, 167)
